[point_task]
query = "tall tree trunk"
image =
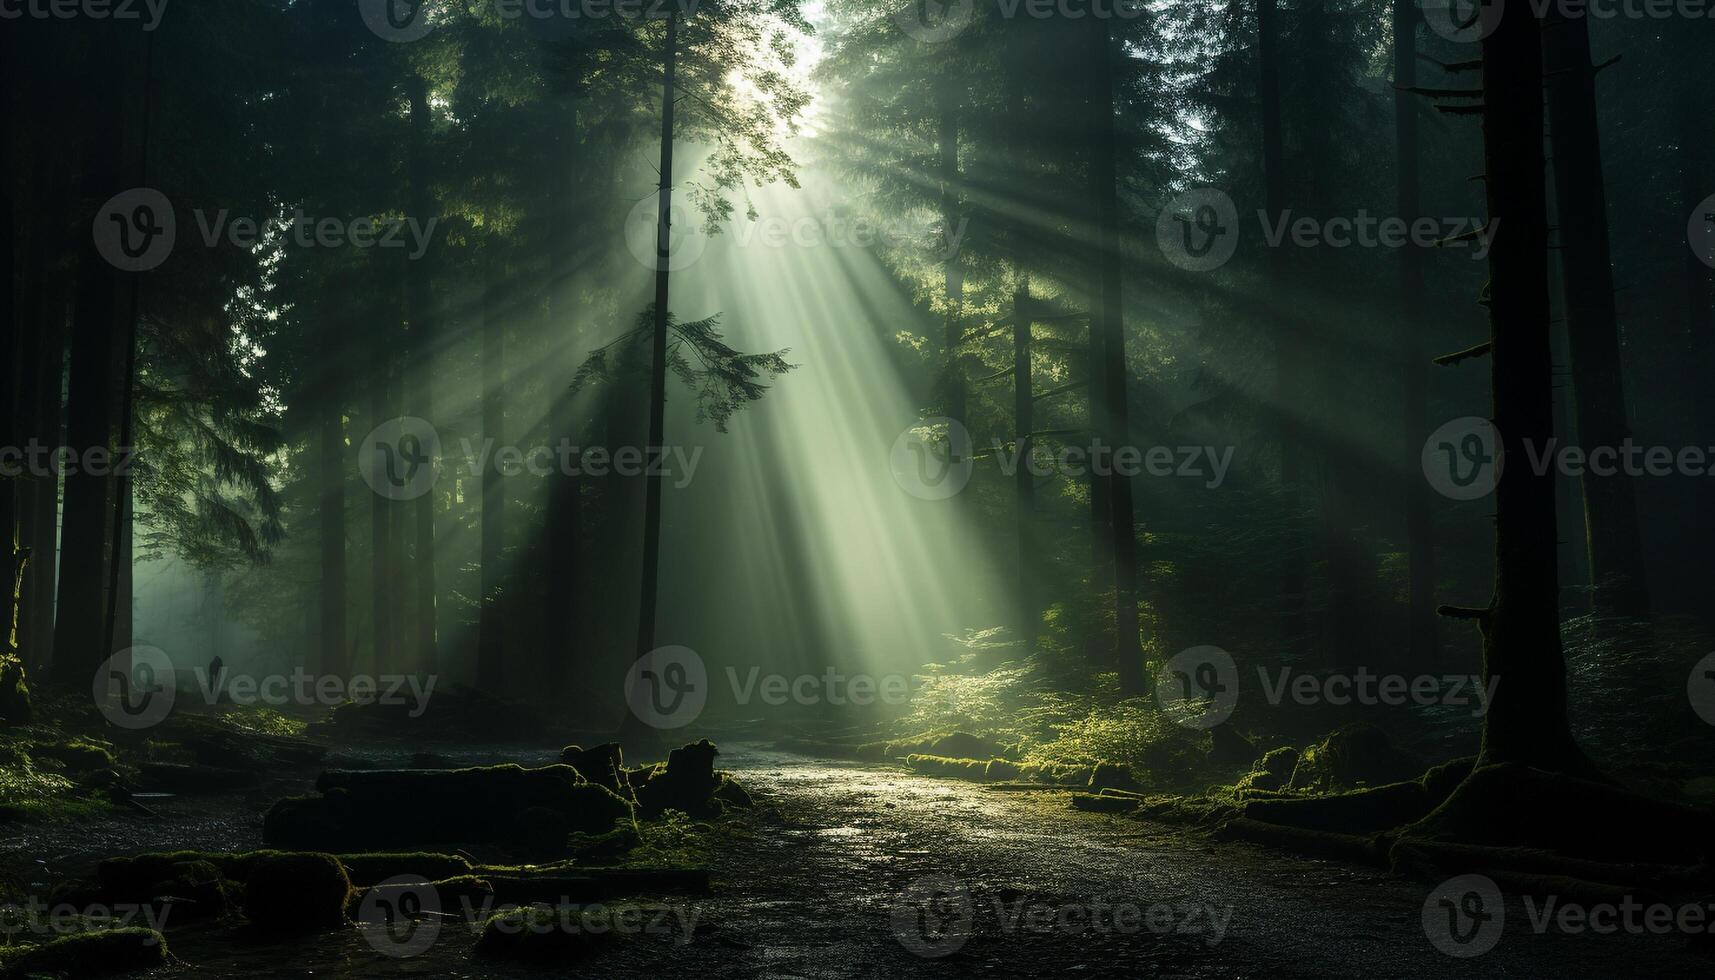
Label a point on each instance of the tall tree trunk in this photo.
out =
(648, 591)
(1288, 361)
(331, 455)
(419, 313)
(1108, 319)
(1423, 641)
(45, 324)
(658, 353)
(12, 368)
(953, 281)
(80, 634)
(558, 595)
(1615, 549)
(1024, 481)
(382, 582)
(1527, 719)
(491, 642)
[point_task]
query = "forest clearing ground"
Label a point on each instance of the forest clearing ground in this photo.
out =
(812, 885)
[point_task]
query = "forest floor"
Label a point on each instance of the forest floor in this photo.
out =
(822, 878)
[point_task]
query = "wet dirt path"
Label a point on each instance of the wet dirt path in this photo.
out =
(849, 871)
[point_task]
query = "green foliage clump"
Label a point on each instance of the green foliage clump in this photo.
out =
(31, 793)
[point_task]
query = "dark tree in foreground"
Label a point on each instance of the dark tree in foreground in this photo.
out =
(1527, 720)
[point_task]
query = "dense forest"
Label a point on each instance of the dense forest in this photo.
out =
(849, 488)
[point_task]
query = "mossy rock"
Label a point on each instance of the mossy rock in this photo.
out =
(688, 784)
(377, 866)
(1272, 772)
(1358, 755)
(143, 877)
(937, 765)
(199, 890)
(1096, 803)
(1002, 771)
(297, 892)
(89, 954)
(964, 745)
(1108, 775)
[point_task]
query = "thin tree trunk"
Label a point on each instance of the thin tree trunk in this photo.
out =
(1024, 481)
(12, 368)
(953, 282)
(491, 642)
(658, 354)
(382, 582)
(1108, 319)
(330, 406)
(419, 301)
(1527, 719)
(1288, 398)
(561, 600)
(1423, 641)
(1615, 549)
